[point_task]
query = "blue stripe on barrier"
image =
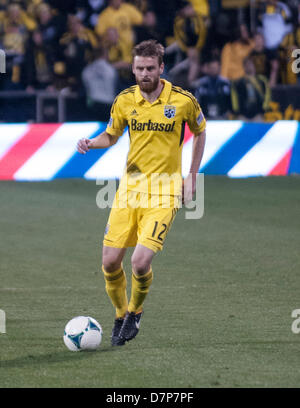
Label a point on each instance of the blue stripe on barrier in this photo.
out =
(295, 159)
(79, 164)
(236, 148)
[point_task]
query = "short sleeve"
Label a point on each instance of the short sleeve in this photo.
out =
(196, 119)
(117, 121)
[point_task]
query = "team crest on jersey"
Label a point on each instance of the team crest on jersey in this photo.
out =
(170, 111)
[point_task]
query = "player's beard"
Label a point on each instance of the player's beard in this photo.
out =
(149, 85)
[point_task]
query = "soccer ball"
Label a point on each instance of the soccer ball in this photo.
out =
(82, 333)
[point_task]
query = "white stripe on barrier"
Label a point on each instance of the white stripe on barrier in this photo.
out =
(10, 134)
(217, 134)
(55, 153)
(111, 165)
(264, 156)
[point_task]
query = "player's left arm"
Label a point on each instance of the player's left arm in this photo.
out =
(189, 186)
(197, 125)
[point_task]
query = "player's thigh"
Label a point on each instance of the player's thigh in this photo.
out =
(121, 228)
(112, 258)
(155, 225)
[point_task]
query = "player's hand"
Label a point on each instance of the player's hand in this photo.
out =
(188, 188)
(83, 145)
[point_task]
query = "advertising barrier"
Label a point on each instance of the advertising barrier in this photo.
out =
(35, 152)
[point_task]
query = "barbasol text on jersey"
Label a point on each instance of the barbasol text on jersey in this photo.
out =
(154, 126)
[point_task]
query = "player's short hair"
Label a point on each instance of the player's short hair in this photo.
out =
(149, 48)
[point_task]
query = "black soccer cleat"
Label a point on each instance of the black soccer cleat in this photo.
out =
(130, 327)
(115, 339)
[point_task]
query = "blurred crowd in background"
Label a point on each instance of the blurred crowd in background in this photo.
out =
(228, 53)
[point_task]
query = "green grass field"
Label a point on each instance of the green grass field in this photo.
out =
(219, 310)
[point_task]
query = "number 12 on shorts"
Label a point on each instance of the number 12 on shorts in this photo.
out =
(160, 232)
(160, 229)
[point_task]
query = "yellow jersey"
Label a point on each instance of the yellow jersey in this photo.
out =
(156, 132)
(123, 19)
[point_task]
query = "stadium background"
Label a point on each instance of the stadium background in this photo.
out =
(233, 328)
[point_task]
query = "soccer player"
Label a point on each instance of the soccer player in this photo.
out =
(155, 112)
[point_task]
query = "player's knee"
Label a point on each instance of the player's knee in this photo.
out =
(140, 265)
(110, 264)
(111, 259)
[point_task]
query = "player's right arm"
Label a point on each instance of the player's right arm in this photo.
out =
(110, 136)
(99, 142)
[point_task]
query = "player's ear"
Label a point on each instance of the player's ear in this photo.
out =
(161, 68)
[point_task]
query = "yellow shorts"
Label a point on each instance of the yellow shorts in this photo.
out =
(140, 218)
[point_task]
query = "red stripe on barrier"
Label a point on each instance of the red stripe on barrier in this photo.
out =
(187, 133)
(24, 148)
(282, 167)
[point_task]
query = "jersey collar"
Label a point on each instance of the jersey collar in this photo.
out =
(163, 97)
